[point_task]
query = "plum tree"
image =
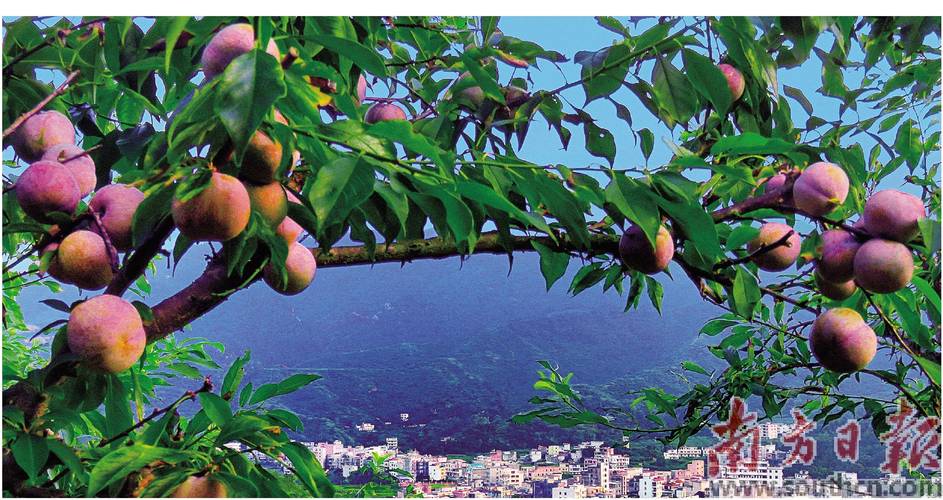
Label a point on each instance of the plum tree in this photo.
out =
(116, 205)
(182, 165)
(107, 332)
(46, 187)
(384, 111)
(894, 215)
(638, 253)
(883, 266)
(300, 267)
(820, 188)
(78, 162)
(41, 132)
(771, 255)
(218, 213)
(842, 341)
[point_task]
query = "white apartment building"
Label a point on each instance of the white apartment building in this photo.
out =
(773, 430)
(575, 491)
(648, 487)
(618, 461)
(747, 480)
(683, 452)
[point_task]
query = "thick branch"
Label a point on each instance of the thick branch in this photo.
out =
(137, 263)
(773, 199)
(213, 287)
(441, 248)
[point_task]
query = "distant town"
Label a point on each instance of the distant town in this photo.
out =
(592, 469)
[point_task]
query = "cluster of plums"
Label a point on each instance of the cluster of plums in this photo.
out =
(873, 256)
(106, 330)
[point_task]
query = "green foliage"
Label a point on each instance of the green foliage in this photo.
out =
(457, 170)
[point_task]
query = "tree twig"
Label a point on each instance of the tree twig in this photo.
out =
(897, 336)
(764, 249)
(42, 104)
(189, 395)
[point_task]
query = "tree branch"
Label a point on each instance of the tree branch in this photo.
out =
(42, 104)
(142, 256)
(773, 199)
(189, 395)
(214, 286)
(764, 249)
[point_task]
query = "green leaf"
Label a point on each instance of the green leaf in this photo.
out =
(248, 88)
(236, 372)
(155, 430)
(933, 298)
(708, 80)
(339, 187)
(799, 97)
(655, 292)
(290, 384)
(216, 408)
(636, 203)
(66, 455)
(751, 143)
(288, 418)
(365, 58)
(242, 426)
(118, 416)
(746, 292)
(116, 465)
(648, 142)
(600, 142)
(907, 143)
(30, 453)
(487, 82)
(603, 71)
(175, 27)
(673, 92)
(932, 367)
(552, 264)
(401, 131)
(150, 212)
(458, 216)
(308, 469)
(488, 196)
(691, 366)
